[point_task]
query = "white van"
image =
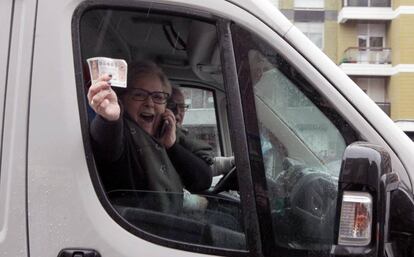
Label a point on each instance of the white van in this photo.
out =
(321, 170)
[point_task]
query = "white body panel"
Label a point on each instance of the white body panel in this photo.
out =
(15, 85)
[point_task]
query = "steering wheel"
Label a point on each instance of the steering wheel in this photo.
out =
(309, 215)
(313, 195)
(227, 182)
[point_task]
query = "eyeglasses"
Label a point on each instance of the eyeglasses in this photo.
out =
(157, 97)
(175, 107)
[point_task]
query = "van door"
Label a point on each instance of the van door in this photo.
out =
(16, 43)
(69, 209)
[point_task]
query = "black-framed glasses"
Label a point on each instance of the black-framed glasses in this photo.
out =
(139, 94)
(174, 107)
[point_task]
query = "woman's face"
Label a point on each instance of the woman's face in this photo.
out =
(145, 113)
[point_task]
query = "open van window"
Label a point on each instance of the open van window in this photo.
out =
(186, 49)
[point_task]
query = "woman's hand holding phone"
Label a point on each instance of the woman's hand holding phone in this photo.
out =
(167, 128)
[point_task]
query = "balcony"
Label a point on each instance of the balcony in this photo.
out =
(367, 61)
(368, 10)
(371, 55)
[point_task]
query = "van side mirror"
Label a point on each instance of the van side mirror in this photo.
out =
(364, 188)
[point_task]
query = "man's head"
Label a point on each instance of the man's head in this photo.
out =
(146, 95)
(177, 104)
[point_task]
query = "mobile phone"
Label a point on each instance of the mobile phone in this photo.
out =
(163, 128)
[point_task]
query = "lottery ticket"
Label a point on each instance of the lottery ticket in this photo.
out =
(115, 67)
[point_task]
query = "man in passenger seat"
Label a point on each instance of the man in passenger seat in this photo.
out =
(177, 105)
(131, 150)
(219, 165)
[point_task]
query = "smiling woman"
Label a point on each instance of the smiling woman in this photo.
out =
(145, 98)
(151, 158)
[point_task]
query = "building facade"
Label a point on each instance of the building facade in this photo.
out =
(371, 40)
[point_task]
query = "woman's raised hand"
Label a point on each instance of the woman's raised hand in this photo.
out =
(103, 100)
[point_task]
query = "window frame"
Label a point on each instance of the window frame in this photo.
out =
(254, 217)
(367, 31)
(248, 207)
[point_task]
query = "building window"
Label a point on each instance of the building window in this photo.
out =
(367, 3)
(309, 16)
(314, 31)
(371, 44)
(309, 4)
(374, 87)
(371, 35)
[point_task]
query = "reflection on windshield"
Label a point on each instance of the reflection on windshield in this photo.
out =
(292, 107)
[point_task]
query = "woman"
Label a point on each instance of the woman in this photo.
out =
(131, 150)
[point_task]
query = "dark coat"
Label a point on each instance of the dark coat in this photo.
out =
(128, 158)
(197, 147)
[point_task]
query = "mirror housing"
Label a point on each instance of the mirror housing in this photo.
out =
(365, 171)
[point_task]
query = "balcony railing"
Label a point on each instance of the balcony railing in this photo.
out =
(366, 3)
(371, 55)
(386, 107)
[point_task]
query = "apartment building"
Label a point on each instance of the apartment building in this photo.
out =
(371, 40)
